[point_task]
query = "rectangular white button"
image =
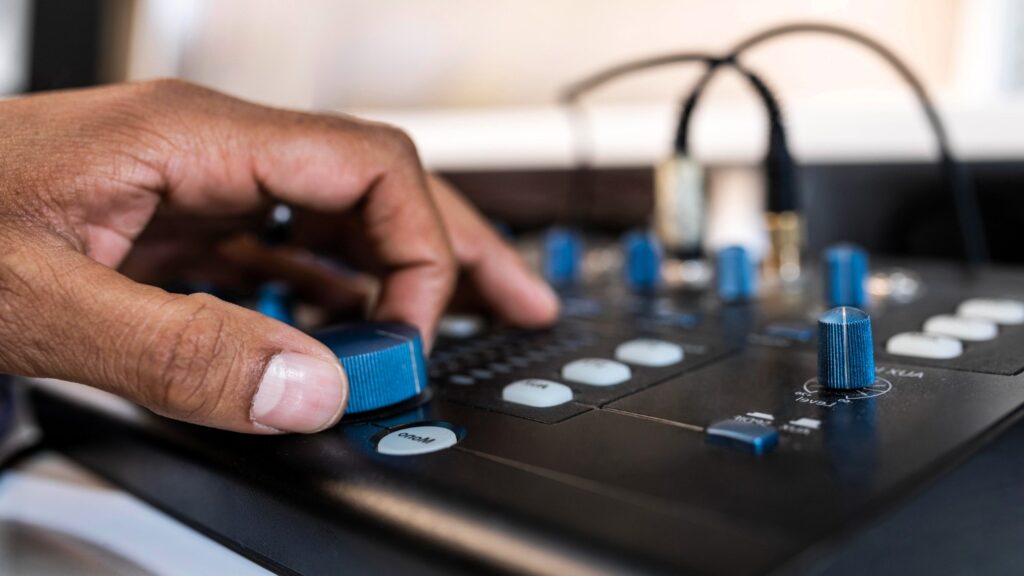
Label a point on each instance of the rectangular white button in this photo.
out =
(806, 423)
(1001, 310)
(961, 327)
(923, 345)
(537, 393)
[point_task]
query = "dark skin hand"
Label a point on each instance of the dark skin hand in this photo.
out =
(90, 182)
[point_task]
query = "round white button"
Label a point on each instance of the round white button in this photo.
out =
(969, 329)
(537, 393)
(416, 440)
(649, 352)
(998, 310)
(923, 345)
(596, 372)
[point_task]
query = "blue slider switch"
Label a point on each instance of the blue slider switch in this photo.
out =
(562, 256)
(643, 260)
(846, 275)
(737, 274)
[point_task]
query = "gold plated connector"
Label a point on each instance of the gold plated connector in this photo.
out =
(785, 232)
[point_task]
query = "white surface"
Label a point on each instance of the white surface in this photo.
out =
(50, 492)
(849, 127)
(416, 440)
(596, 372)
(649, 352)
(921, 345)
(537, 393)
(962, 328)
(998, 310)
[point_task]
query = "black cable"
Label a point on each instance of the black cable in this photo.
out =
(581, 185)
(781, 170)
(957, 179)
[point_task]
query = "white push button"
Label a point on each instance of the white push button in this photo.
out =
(649, 352)
(961, 327)
(923, 345)
(596, 372)
(537, 393)
(998, 310)
(460, 326)
(416, 440)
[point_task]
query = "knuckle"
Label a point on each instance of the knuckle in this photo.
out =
(194, 358)
(399, 142)
(164, 87)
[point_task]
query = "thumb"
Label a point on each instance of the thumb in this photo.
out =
(194, 358)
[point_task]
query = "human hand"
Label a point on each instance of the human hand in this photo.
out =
(82, 175)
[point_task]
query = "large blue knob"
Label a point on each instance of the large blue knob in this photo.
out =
(846, 274)
(736, 274)
(383, 361)
(846, 354)
(562, 255)
(643, 260)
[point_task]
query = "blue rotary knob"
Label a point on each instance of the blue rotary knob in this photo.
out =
(643, 260)
(846, 273)
(383, 361)
(736, 273)
(562, 253)
(846, 354)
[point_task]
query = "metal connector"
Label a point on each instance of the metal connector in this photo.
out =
(785, 233)
(679, 206)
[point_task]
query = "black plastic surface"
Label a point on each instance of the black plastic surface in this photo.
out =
(622, 479)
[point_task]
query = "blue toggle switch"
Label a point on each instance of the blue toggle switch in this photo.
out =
(383, 362)
(846, 353)
(643, 260)
(736, 273)
(562, 256)
(756, 438)
(846, 274)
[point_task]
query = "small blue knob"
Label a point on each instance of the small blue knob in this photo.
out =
(383, 361)
(563, 250)
(274, 299)
(737, 275)
(846, 273)
(643, 260)
(846, 354)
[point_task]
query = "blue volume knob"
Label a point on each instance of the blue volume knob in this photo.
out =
(383, 362)
(643, 260)
(846, 272)
(737, 276)
(846, 354)
(562, 254)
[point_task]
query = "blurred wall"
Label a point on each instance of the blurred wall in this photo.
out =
(452, 53)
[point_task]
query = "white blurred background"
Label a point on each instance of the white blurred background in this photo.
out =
(475, 81)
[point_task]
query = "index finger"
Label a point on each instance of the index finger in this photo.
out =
(235, 153)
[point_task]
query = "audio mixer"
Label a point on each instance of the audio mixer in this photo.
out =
(743, 427)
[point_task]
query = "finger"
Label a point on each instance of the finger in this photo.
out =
(495, 270)
(194, 358)
(233, 154)
(311, 279)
